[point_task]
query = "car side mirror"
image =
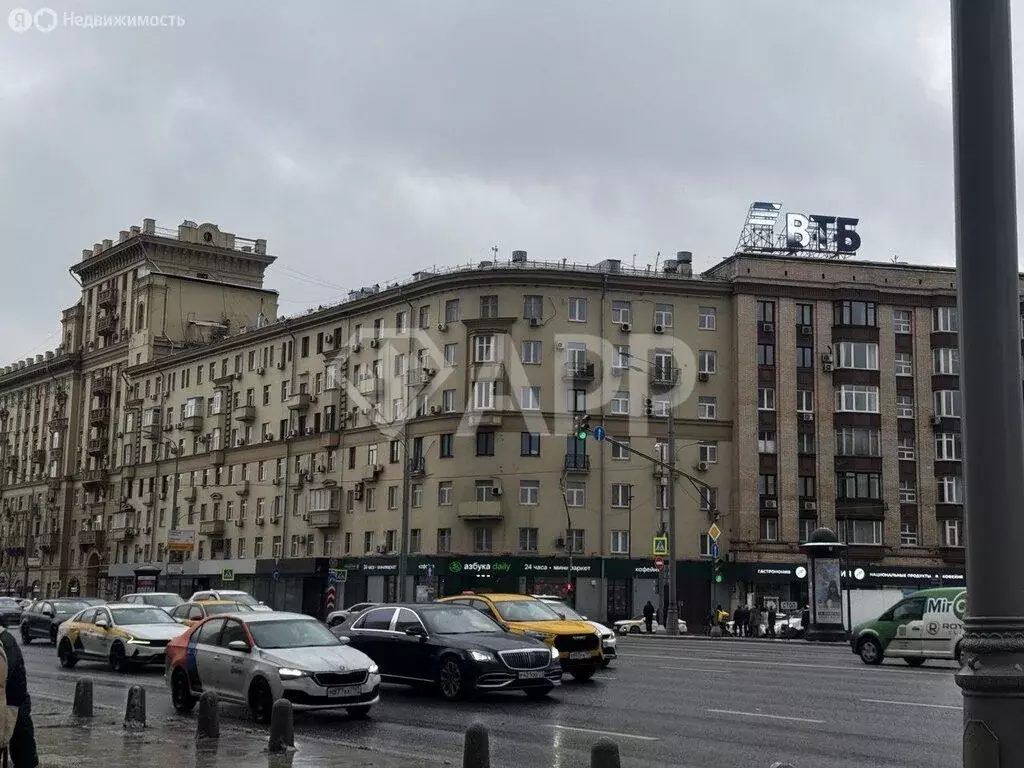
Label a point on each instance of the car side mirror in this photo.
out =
(102, 624)
(585, 618)
(48, 614)
(343, 639)
(239, 645)
(416, 632)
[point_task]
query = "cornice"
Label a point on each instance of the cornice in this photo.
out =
(41, 371)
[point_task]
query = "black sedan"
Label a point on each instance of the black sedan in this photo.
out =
(10, 611)
(42, 618)
(454, 648)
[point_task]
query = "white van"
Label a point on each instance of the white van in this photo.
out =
(927, 625)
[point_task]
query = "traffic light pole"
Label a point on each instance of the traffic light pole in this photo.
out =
(672, 609)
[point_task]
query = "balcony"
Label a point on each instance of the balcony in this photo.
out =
(105, 325)
(95, 538)
(11, 463)
(579, 370)
(299, 401)
(214, 528)
(216, 457)
(95, 477)
(330, 439)
(370, 386)
(96, 446)
(49, 542)
(192, 424)
(58, 424)
(39, 456)
(577, 463)
(480, 510)
(101, 385)
(54, 483)
(243, 488)
(371, 472)
(664, 376)
(418, 466)
(124, 533)
(247, 413)
(325, 518)
(107, 298)
(99, 417)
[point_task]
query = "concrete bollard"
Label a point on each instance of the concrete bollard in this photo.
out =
(477, 751)
(282, 727)
(208, 721)
(82, 706)
(605, 754)
(716, 631)
(135, 708)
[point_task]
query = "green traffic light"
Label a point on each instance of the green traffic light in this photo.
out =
(581, 435)
(718, 578)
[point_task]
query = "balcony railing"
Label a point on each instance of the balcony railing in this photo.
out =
(94, 538)
(664, 376)
(105, 324)
(577, 462)
(480, 510)
(96, 445)
(214, 528)
(95, 477)
(246, 413)
(49, 542)
(418, 466)
(579, 371)
(99, 417)
(106, 297)
(325, 518)
(192, 423)
(124, 533)
(101, 384)
(299, 401)
(370, 386)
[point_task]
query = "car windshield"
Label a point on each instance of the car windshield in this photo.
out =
(457, 620)
(142, 615)
(63, 607)
(163, 601)
(291, 633)
(212, 609)
(94, 601)
(240, 597)
(525, 610)
(564, 611)
(9, 602)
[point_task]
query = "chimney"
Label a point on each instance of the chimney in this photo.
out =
(134, 230)
(122, 235)
(261, 247)
(685, 260)
(149, 226)
(97, 248)
(49, 355)
(107, 243)
(86, 253)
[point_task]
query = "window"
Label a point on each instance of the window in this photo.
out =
(576, 494)
(622, 312)
(945, 320)
(804, 357)
(708, 501)
(861, 532)
(766, 442)
(858, 441)
(854, 313)
(484, 394)
(901, 323)
(905, 449)
(577, 309)
(767, 486)
(484, 443)
(451, 311)
(529, 444)
(529, 398)
(708, 361)
(620, 403)
(531, 353)
(908, 534)
(805, 443)
(529, 492)
(444, 493)
(483, 490)
(904, 364)
(444, 539)
(575, 541)
(908, 492)
(446, 446)
(489, 306)
(946, 361)
(417, 495)
(766, 399)
(947, 447)
(704, 545)
(533, 307)
(766, 312)
(620, 542)
(707, 408)
(483, 539)
(804, 401)
(947, 403)
(769, 529)
(857, 355)
(663, 314)
(424, 317)
(808, 525)
(620, 449)
(707, 318)
(707, 452)
(448, 402)
(805, 314)
(527, 539)
(904, 406)
(951, 490)
(953, 533)
(805, 485)
(857, 398)
(576, 401)
(621, 493)
(483, 348)
(392, 497)
(858, 486)
(766, 354)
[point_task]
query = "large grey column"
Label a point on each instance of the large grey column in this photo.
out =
(992, 678)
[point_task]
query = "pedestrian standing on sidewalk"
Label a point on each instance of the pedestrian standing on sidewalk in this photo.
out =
(770, 628)
(19, 735)
(754, 622)
(738, 620)
(649, 617)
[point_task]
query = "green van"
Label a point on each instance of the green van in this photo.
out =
(926, 625)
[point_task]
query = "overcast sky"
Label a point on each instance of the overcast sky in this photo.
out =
(367, 140)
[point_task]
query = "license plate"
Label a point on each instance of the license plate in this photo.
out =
(341, 692)
(531, 675)
(579, 655)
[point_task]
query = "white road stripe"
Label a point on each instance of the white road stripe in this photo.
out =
(611, 734)
(912, 704)
(768, 663)
(759, 714)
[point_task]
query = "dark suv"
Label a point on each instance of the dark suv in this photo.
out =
(42, 618)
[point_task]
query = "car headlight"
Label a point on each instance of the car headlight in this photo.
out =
(137, 641)
(287, 673)
(480, 656)
(554, 652)
(374, 669)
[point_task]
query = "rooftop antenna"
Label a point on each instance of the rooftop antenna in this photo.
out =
(494, 250)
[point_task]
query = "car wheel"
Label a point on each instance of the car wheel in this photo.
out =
(582, 675)
(26, 638)
(634, 630)
(870, 651)
(914, 662)
(358, 712)
(540, 692)
(66, 654)
(118, 660)
(451, 680)
(181, 693)
(261, 701)
(53, 635)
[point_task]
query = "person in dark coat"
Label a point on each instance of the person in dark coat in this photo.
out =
(769, 629)
(649, 617)
(21, 750)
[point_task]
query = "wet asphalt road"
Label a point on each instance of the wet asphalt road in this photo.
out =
(724, 704)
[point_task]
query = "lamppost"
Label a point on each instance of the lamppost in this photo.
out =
(991, 676)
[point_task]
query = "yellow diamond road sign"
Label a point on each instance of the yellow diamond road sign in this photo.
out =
(714, 532)
(660, 545)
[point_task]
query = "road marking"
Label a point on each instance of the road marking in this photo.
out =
(610, 734)
(912, 704)
(767, 663)
(759, 714)
(702, 669)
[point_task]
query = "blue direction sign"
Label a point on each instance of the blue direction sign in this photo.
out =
(599, 433)
(714, 549)
(332, 578)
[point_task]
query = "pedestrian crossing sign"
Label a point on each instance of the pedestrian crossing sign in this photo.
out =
(714, 532)
(660, 546)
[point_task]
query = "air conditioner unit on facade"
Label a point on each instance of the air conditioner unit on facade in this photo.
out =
(374, 343)
(659, 328)
(442, 327)
(626, 327)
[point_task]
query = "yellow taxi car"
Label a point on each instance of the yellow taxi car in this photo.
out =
(124, 635)
(194, 611)
(578, 643)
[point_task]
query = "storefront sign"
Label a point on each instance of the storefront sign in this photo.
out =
(854, 576)
(180, 541)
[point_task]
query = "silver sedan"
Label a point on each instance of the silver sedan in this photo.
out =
(254, 659)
